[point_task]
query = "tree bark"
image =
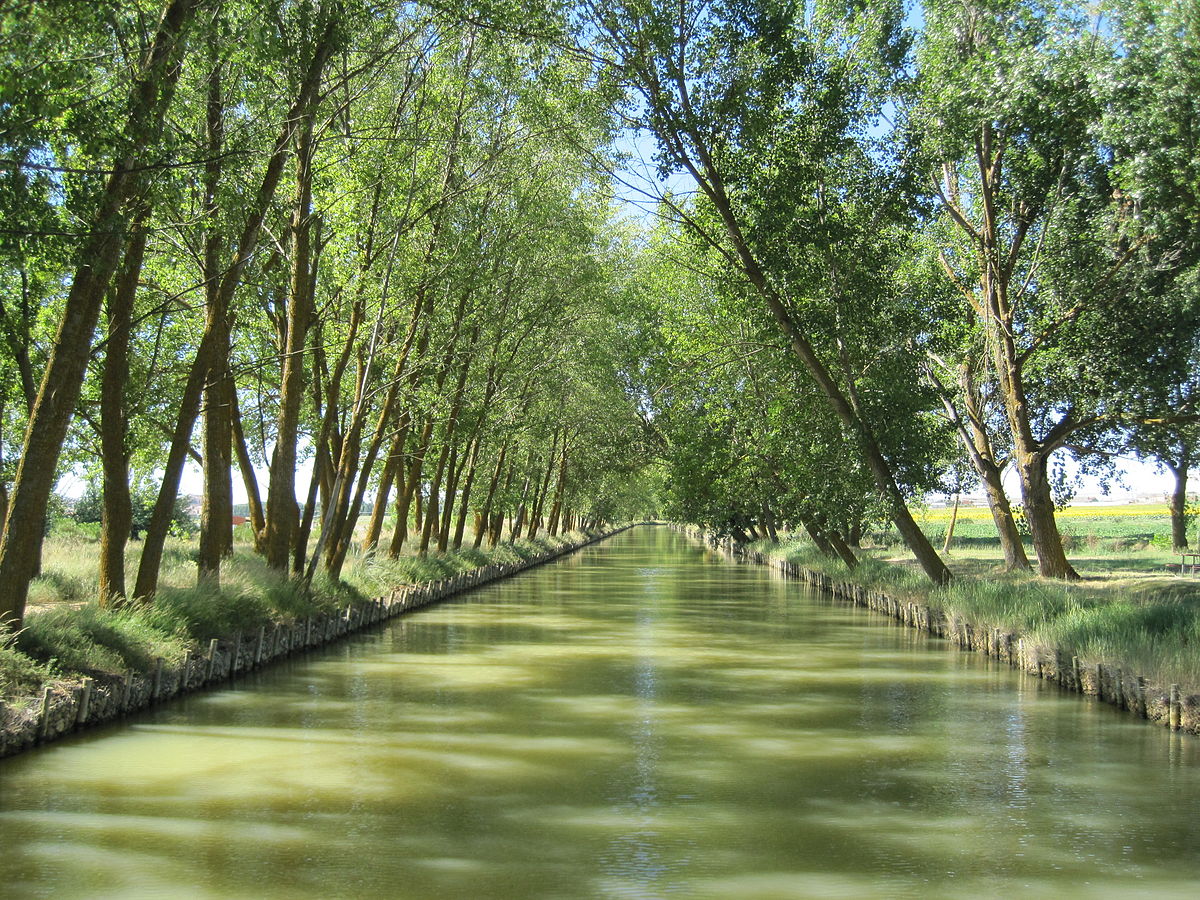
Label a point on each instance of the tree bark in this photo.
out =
(453, 472)
(485, 515)
(117, 513)
(164, 506)
(249, 479)
(978, 443)
(817, 536)
(216, 511)
(543, 488)
(560, 486)
(464, 502)
(412, 485)
(845, 554)
(1179, 538)
(431, 519)
(394, 464)
(953, 522)
(283, 515)
(1039, 512)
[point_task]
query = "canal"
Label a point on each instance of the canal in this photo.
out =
(641, 719)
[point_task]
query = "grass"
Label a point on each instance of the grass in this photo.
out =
(20, 675)
(1130, 609)
(67, 634)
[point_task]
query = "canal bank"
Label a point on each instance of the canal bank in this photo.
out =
(639, 719)
(68, 705)
(1164, 705)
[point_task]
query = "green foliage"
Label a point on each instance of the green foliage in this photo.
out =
(89, 507)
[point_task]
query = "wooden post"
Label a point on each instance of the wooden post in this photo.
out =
(44, 723)
(233, 659)
(186, 674)
(1141, 695)
(156, 685)
(1099, 681)
(258, 647)
(85, 701)
(126, 690)
(1076, 674)
(212, 659)
(1176, 709)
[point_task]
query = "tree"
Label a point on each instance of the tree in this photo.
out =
(1032, 237)
(726, 88)
(98, 257)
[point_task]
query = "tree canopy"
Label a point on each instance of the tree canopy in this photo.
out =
(385, 244)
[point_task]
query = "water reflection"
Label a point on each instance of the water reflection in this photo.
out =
(640, 720)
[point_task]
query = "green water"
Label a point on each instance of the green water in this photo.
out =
(638, 720)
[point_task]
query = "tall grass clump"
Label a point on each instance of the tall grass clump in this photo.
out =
(94, 641)
(1155, 640)
(869, 572)
(1021, 605)
(203, 612)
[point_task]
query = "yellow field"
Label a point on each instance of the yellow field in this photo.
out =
(977, 513)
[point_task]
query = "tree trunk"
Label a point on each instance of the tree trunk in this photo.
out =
(164, 506)
(464, 502)
(519, 520)
(769, 524)
(486, 513)
(953, 521)
(394, 464)
(117, 514)
(453, 473)
(818, 537)
(973, 433)
(412, 486)
(842, 549)
(556, 506)
(539, 498)
(216, 512)
(283, 514)
(300, 544)
(1179, 539)
(20, 546)
(249, 479)
(431, 519)
(1039, 512)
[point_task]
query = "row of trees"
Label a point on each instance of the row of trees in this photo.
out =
(377, 236)
(363, 234)
(984, 230)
